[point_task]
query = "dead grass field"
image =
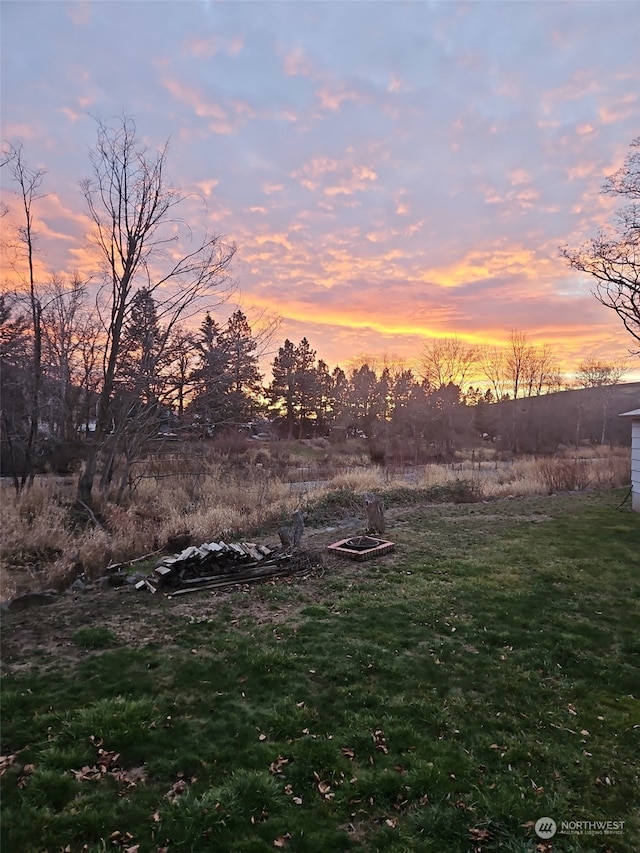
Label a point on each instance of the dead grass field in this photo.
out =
(200, 494)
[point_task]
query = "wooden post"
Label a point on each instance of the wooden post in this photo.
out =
(374, 507)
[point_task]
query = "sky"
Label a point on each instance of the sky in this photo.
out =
(390, 172)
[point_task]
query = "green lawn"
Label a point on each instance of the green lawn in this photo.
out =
(441, 699)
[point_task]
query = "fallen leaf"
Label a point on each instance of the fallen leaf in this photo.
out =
(27, 770)
(380, 741)
(6, 761)
(479, 834)
(277, 765)
(176, 790)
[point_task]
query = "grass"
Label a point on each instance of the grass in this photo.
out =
(203, 494)
(94, 637)
(443, 698)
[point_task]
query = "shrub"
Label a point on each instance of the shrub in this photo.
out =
(564, 475)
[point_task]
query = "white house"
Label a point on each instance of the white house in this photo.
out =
(635, 457)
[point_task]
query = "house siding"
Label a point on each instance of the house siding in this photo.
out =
(635, 464)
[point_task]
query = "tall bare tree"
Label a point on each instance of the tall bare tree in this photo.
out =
(29, 181)
(612, 257)
(131, 205)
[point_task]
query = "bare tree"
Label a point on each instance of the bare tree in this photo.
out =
(493, 366)
(29, 181)
(447, 361)
(612, 257)
(593, 373)
(64, 326)
(131, 205)
(603, 375)
(519, 352)
(14, 356)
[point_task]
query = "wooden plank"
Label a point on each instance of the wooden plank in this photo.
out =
(275, 572)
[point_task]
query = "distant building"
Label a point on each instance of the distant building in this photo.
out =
(635, 457)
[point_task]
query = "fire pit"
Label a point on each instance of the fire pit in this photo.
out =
(362, 548)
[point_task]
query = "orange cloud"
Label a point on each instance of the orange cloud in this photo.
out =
(483, 264)
(349, 177)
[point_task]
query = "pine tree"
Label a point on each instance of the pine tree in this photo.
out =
(143, 342)
(211, 375)
(282, 391)
(243, 374)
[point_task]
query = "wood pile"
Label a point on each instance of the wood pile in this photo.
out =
(216, 564)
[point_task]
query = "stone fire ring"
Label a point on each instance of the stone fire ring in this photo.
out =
(362, 548)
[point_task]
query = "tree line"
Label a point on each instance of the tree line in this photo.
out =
(95, 370)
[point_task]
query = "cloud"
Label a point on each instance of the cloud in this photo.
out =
(225, 120)
(333, 96)
(386, 176)
(295, 63)
(335, 177)
(79, 12)
(270, 189)
(205, 47)
(624, 108)
(208, 186)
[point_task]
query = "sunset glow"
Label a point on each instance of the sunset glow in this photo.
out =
(389, 172)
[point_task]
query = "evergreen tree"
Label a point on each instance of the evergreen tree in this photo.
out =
(282, 391)
(243, 374)
(305, 383)
(211, 375)
(142, 346)
(293, 390)
(365, 402)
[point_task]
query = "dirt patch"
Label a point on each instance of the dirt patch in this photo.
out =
(42, 635)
